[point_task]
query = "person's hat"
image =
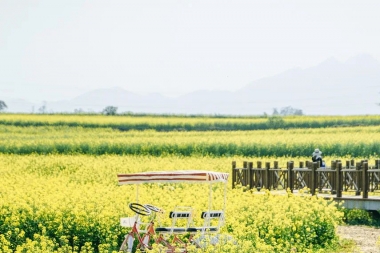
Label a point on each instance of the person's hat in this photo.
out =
(317, 151)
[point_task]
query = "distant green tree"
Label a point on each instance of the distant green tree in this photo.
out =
(43, 108)
(78, 111)
(3, 105)
(286, 111)
(110, 110)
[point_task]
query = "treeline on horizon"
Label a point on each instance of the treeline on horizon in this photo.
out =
(167, 122)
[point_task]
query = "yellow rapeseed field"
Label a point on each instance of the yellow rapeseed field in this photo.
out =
(73, 203)
(59, 190)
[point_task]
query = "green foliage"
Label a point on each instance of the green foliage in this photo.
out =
(354, 142)
(3, 105)
(361, 217)
(275, 122)
(168, 123)
(287, 111)
(110, 110)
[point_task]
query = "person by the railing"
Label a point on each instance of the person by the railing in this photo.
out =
(317, 157)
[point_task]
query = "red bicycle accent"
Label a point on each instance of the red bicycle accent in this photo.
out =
(145, 210)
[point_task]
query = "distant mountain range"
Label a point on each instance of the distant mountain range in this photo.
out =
(330, 88)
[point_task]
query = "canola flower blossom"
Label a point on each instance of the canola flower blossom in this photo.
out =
(73, 203)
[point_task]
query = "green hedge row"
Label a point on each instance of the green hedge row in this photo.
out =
(210, 149)
(269, 123)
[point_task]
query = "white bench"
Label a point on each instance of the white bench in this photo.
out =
(208, 216)
(175, 216)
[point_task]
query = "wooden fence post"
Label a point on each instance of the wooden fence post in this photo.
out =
(258, 173)
(358, 178)
(290, 165)
(250, 175)
(267, 176)
(233, 174)
(333, 177)
(245, 173)
(314, 178)
(339, 180)
(365, 180)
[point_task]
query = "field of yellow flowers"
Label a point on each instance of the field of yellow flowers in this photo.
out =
(73, 203)
(59, 190)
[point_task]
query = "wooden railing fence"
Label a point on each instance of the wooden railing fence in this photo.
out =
(357, 177)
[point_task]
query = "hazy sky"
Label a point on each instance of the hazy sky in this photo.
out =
(52, 50)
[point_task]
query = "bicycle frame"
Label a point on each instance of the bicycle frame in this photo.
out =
(135, 233)
(190, 176)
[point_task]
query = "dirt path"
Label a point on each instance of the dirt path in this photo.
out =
(364, 237)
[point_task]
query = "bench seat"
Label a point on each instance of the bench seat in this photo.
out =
(170, 230)
(199, 229)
